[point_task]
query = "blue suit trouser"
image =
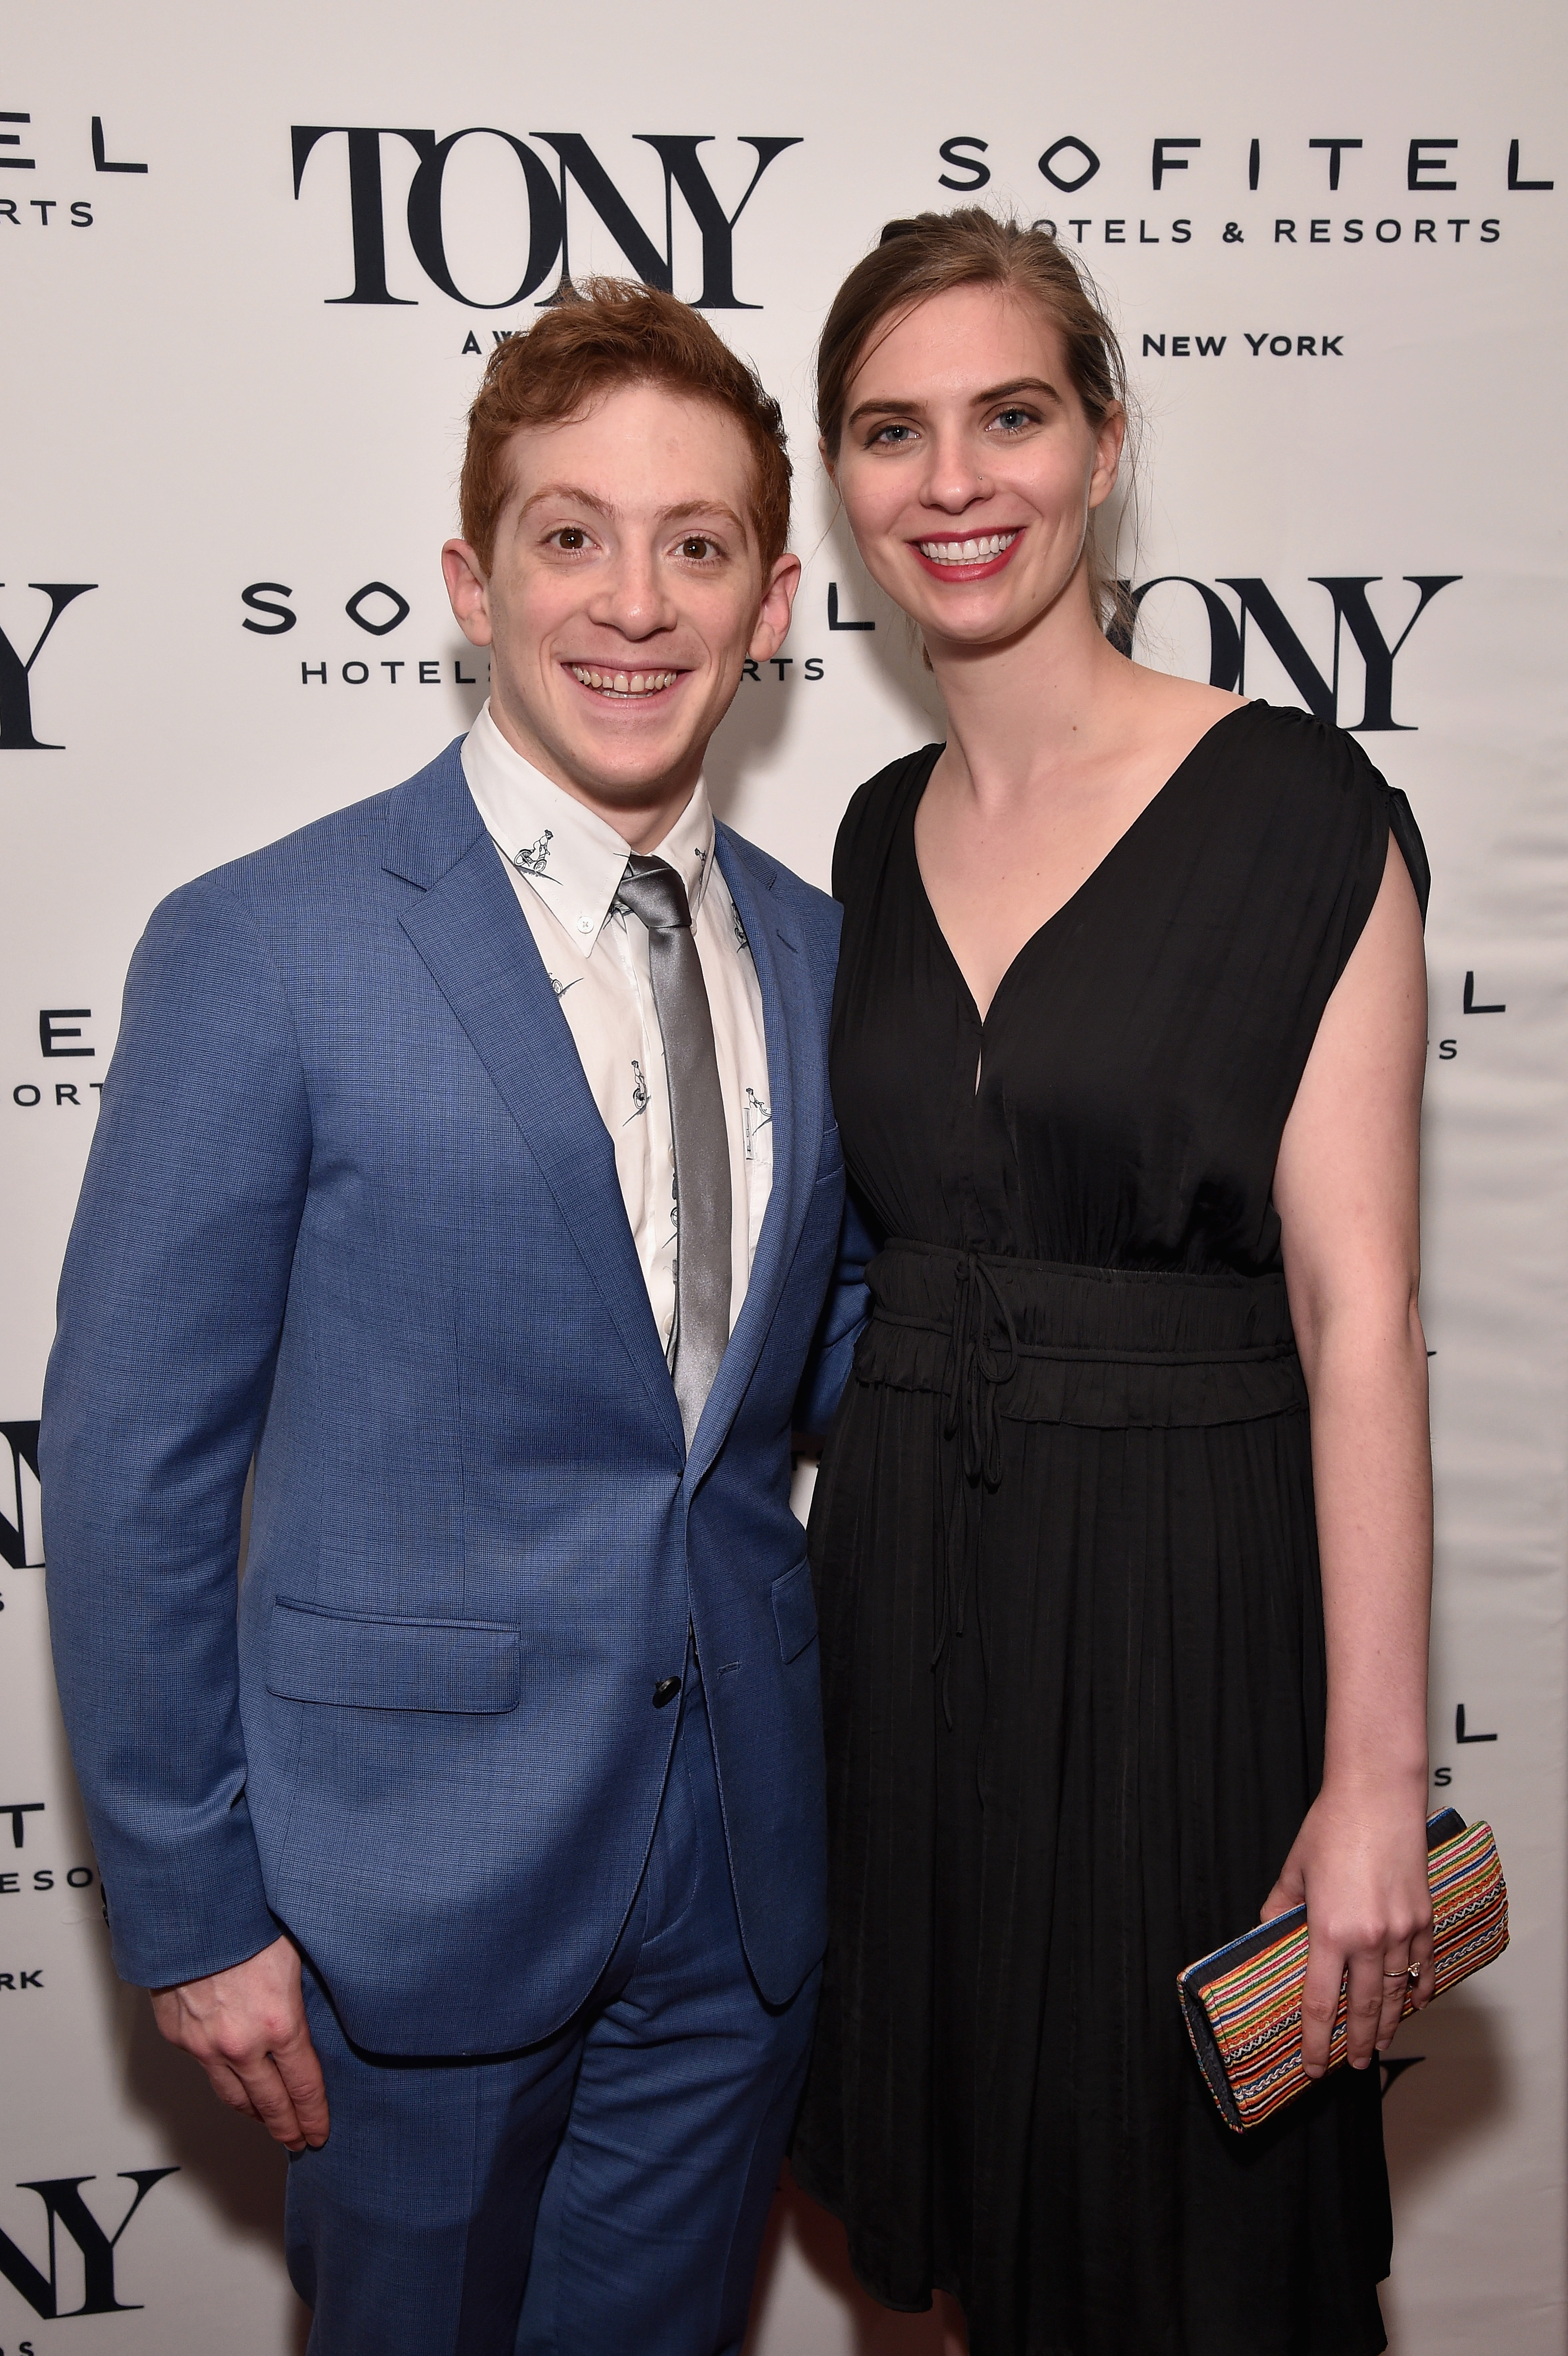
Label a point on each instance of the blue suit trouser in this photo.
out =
(603, 2191)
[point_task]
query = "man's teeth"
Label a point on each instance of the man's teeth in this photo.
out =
(966, 551)
(620, 683)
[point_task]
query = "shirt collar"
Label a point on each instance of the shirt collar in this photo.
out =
(573, 860)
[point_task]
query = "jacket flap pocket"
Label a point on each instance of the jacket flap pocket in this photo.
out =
(361, 1663)
(794, 1610)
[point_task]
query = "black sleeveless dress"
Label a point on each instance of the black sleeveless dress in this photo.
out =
(1068, 1583)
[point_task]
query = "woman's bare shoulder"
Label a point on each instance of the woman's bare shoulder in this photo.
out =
(1161, 719)
(1169, 702)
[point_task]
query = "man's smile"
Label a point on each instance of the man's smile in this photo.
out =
(622, 686)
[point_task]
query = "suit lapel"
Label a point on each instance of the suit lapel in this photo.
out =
(476, 943)
(794, 1078)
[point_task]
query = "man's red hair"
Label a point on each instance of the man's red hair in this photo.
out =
(611, 332)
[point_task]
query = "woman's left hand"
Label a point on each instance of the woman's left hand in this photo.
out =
(1358, 1864)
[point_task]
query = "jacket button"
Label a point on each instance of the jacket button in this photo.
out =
(665, 1691)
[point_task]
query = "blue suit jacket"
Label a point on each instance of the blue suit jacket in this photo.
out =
(351, 1211)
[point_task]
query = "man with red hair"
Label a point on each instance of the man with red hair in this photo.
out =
(467, 1162)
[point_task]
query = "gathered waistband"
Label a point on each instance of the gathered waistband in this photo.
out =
(1039, 1342)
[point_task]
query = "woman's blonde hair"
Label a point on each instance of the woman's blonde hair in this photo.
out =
(931, 255)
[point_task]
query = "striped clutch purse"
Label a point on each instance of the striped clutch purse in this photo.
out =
(1242, 2004)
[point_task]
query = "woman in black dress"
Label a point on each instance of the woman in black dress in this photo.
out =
(1120, 1649)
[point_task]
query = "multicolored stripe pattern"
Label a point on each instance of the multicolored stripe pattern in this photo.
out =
(1248, 2031)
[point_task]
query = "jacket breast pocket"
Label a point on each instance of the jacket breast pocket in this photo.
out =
(794, 1611)
(356, 1661)
(830, 1161)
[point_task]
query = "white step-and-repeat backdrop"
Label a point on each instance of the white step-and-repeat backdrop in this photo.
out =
(254, 259)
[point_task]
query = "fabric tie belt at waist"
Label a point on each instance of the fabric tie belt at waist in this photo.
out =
(1039, 1342)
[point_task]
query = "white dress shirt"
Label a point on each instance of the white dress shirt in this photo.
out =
(566, 866)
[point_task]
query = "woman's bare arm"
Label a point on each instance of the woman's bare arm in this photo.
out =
(1347, 1189)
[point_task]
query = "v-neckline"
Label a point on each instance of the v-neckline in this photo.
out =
(1128, 831)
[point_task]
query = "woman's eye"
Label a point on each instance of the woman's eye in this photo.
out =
(1013, 421)
(892, 437)
(698, 547)
(571, 537)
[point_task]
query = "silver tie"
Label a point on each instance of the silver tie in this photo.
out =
(651, 890)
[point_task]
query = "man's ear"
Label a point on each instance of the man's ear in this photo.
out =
(773, 626)
(470, 590)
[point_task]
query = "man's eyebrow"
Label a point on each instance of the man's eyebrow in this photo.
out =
(979, 401)
(573, 495)
(685, 508)
(570, 494)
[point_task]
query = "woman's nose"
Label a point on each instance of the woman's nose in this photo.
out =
(955, 475)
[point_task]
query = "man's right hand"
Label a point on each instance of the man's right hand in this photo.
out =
(247, 2028)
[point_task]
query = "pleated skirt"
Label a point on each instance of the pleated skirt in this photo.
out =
(1073, 1679)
